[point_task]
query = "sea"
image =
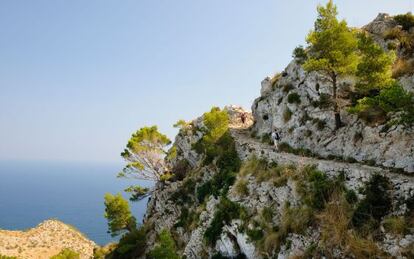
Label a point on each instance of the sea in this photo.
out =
(31, 192)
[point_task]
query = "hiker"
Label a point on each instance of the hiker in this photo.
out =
(276, 138)
(243, 117)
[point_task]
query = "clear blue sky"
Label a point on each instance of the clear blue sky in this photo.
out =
(78, 77)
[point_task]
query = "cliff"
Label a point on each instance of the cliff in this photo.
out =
(346, 193)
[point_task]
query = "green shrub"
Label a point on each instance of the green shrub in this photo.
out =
(226, 211)
(294, 98)
(324, 101)
(132, 243)
(320, 124)
(376, 204)
(165, 249)
(184, 194)
(405, 20)
(390, 100)
(66, 254)
(7, 257)
(287, 115)
(299, 53)
(255, 234)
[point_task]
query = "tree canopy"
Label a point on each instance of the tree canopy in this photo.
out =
(375, 69)
(145, 154)
(118, 214)
(332, 49)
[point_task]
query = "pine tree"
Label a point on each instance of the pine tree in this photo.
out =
(332, 50)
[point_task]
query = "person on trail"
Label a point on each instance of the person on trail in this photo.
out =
(276, 138)
(243, 117)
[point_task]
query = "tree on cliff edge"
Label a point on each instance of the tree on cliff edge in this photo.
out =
(332, 50)
(145, 154)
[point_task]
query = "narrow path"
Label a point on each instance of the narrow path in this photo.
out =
(247, 146)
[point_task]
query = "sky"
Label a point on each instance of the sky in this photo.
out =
(78, 77)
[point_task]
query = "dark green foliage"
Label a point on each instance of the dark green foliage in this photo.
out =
(299, 53)
(166, 248)
(225, 156)
(325, 101)
(320, 189)
(255, 234)
(132, 244)
(294, 98)
(226, 211)
(405, 20)
(184, 194)
(180, 170)
(351, 196)
(376, 204)
(390, 100)
(7, 257)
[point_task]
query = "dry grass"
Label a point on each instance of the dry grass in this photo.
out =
(335, 233)
(241, 187)
(395, 225)
(403, 67)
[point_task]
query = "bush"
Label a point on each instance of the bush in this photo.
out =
(376, 204)
(254, 234)
(299, 53)
(165, 248)
(7, 257)
(132, 244)
(267, 214)
(324, 101)
(294, 98)
(405, 20)
(226, 211)
(287, 115)
(183, 195)
(393, 99)
(66, 254)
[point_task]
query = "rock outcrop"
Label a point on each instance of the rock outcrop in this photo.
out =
(45, 240)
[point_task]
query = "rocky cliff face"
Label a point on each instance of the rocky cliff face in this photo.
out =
(305, 200)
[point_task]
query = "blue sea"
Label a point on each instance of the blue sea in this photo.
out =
(31, 192)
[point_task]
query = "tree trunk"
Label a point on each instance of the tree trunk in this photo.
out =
(338, 122)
